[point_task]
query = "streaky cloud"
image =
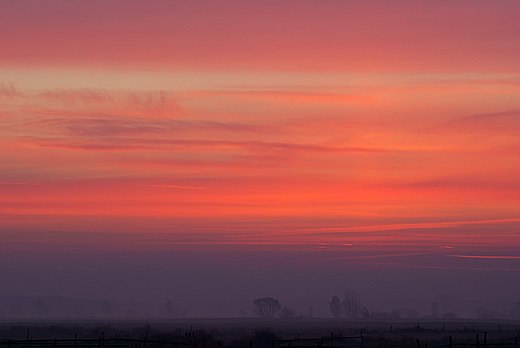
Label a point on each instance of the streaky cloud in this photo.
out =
(404, 226)
(136, 144)
(502, 122)
(490, 257)
(179, 187)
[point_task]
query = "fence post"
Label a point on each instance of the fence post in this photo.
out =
(477, 342)
(450, 342)
(418, 344)
(516, 342)
(332, 339)
(485, 339)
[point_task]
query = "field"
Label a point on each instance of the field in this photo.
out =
(253, 332)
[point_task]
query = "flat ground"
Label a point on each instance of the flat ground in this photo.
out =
(245, 332)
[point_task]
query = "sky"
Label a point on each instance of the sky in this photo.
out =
(216, 152)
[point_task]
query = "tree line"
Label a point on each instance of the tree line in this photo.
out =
(347, 307)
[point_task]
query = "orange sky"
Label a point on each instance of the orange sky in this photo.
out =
(240, 123)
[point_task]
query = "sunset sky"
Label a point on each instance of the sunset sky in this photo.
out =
(374, 135)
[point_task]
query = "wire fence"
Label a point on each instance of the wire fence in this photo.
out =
(191, 342)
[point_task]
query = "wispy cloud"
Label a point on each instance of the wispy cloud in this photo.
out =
(83, 95)
(462, 268)
(462, 183)
(18, 183)
(179, 187)
(503, 122)
(136, 144)
(8, 90)
(158, 103)
(405, 226)
(292, 97)
(490, 257)
(99, 125)
(382, 256)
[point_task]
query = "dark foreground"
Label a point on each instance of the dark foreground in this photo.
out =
(249, 332)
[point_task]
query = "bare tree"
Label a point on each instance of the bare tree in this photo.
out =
(266, 307)
(335, 306)
(351, 306)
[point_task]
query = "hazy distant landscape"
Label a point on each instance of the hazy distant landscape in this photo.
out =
(45, 308)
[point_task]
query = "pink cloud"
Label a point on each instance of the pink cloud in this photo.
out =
(8, 90)
(503, 122)
(179, 187)
(490, 257)
(422, 225)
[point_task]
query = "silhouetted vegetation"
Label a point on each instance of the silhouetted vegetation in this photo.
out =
(350, 306)
(287, 313)
(335, 306)
(266, 307)
(250, 333)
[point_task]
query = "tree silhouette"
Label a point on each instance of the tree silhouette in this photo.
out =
(335, 306)
(351, 306)
(266, 307)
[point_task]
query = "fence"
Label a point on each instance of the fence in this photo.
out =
(478, 343)
(332, 341)
(93, 343)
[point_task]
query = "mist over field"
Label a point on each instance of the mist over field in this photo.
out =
(224, 284)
